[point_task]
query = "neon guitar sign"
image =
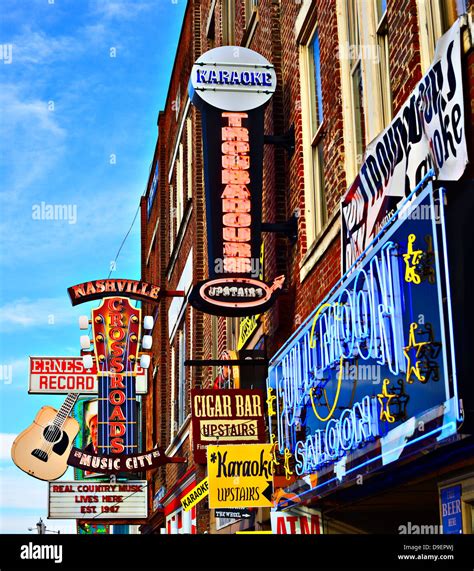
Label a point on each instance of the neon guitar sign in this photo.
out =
(116, 329)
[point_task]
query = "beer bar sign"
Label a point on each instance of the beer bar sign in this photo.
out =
(230, 86)
(98, 500)
(64, 375)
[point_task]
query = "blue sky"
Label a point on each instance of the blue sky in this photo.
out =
(78, 108)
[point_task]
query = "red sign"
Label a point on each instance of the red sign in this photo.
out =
(115, 464)
(223, 416)
(97, 289)
(286, 523)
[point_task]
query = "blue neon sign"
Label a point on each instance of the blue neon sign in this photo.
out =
(375, 354)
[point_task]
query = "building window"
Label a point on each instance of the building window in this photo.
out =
(179, 186)
(177, 103)
(189, 162)
(154, 186)
(173, 419)
(182, 392)
(250, 7)
(313, 117)
(228, 22)
(382, 57)
(435, 17)
(172, 218)
(450, 11)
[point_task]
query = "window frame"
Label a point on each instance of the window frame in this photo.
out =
(316, 215)
(431, 26)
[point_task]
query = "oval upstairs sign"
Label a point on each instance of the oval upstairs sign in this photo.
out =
(232, 78)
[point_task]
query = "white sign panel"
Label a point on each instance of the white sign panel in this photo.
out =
(299, 521)
(428, 132)
(98, 500)
(62, 375)
(232, 78)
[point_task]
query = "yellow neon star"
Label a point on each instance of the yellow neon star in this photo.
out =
(412, 259)
(275, 462)
(413, 344)
(286, 465)
(384, 399)
(270, 398)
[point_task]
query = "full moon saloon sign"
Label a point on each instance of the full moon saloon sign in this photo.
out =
(231, 86)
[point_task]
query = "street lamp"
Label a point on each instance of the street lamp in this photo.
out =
(41, 527)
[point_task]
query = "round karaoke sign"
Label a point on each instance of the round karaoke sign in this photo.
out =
(232, 78)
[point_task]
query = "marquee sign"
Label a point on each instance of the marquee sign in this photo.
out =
(98, 500)
(226, 416)
(374, 361)
(230, 86)
(61, 375)
(427, 133)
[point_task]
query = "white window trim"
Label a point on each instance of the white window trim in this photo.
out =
(152, 241)
(180, 199)
(182, 380)
(350, 155)
(312, 202)
(374, 121)
(427, 48)
(189, 156)
(302, 18)
(178, 138)
(173, 432)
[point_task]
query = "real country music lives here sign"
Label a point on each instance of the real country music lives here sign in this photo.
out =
(98, 500)
(427, 133)
(369, 378)
(231, 86)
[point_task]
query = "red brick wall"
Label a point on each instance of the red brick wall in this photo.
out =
(283, 185)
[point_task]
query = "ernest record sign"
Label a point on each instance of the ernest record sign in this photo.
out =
(226, 416)
(64, 375)
(98, 500)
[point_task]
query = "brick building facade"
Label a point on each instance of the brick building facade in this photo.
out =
(335, 101)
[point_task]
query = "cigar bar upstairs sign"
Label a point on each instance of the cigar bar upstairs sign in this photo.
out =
(226, 417)
(230, 86)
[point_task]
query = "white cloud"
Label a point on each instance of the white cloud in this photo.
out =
(16, 523)
(37, 47)
(121, 9)
(43, 312)
(27, 120)
(20, 491)
(23, 500)
(6, 441)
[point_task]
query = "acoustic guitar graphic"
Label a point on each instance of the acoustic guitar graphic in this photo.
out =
(43, 448)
